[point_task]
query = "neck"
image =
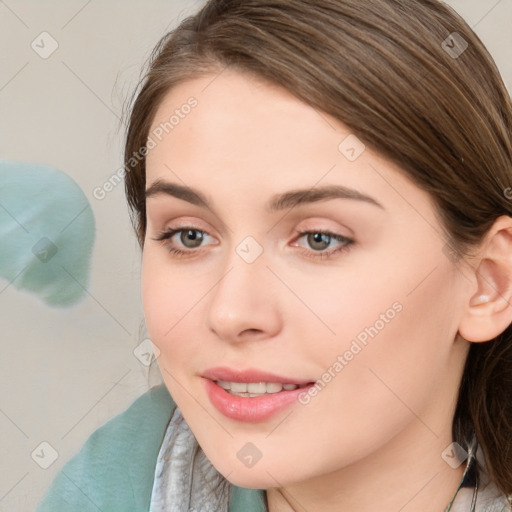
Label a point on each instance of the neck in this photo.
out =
(406, 475)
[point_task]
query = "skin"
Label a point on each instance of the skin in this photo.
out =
(382, 422)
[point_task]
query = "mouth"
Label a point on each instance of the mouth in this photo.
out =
(255, 389)
(251, 395)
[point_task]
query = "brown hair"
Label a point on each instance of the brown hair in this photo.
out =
(399, 75)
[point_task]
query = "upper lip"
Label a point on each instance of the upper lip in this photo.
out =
(249, 375)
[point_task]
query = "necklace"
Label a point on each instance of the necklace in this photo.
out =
(469, 478)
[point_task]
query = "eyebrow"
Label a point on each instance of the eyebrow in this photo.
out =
(278, 202)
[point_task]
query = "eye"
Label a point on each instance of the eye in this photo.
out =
(320, 240)
(190, 238)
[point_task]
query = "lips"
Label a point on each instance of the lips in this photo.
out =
(250, 375)
(251, 395)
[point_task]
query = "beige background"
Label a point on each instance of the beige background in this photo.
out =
(65, 372)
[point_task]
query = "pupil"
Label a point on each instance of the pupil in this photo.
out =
(191, 236)
(320, 238)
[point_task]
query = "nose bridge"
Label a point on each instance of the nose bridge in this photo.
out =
(241, 300)
(245, 266)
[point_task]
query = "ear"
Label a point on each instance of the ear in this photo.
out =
(489, 311)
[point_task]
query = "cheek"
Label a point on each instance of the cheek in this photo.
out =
(171, 301)
(168, 296)
(390, 380)
(154, 297)
(405, 359)
(387, 333)
(346, 303)
(384, 296)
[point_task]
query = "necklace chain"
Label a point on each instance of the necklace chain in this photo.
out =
(469, 472)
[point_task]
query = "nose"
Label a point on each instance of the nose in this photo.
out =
(244, 302)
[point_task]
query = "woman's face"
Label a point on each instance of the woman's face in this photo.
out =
(303, 257)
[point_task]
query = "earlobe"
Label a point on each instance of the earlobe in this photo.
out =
(489, 311)
(480, 299)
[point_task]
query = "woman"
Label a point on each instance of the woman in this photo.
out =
(322, 192)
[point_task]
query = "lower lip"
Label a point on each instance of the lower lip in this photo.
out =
(251, 409)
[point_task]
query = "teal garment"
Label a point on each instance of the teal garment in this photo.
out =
(114, 470)
(47, 232)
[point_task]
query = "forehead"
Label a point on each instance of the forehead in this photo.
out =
(236, 133)
(227, 87)
(239, 104)
(240, 122)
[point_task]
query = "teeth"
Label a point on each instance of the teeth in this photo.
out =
(223, 384)
(238, 387)
(252, 389)
(257, 387)
(274, 387)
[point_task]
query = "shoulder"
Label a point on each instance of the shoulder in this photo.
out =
(114, 469)
(489, 497)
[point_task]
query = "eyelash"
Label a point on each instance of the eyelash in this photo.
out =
(348, 242)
